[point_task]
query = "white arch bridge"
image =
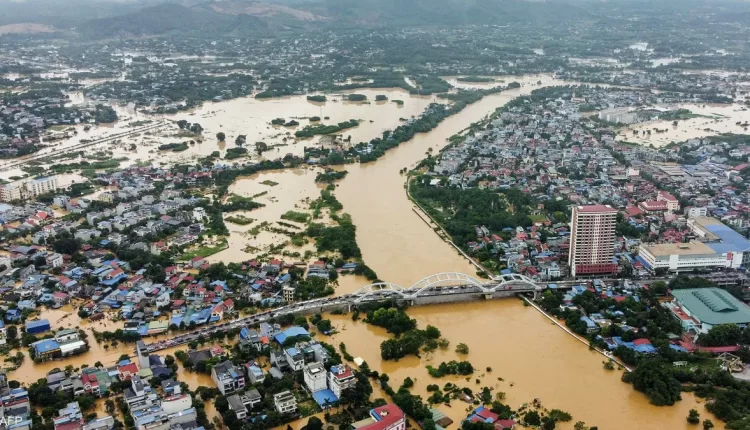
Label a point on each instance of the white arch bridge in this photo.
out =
(439, 288)
(448, 283)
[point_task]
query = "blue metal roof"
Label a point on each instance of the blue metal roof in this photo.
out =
(291, 331)
(44, 346)
(324, 395)
(37, 323)
(731, 241)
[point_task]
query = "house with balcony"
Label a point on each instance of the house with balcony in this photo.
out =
(295, 358)
(340, 378)
(227, 377)
(284, 402)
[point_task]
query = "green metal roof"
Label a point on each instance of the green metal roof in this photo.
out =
(713, 305)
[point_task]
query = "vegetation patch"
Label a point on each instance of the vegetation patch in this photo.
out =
(239, 219)
(300, 217)
(174, 147)
(475, 79)
(318, 98)
(330, 176)
(356, 97)
(316, 129)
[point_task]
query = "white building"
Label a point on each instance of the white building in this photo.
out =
(28, 189)
(341, 378)
(41, 186)
(284, 402)
(287, 292)
(697, 212)
(176, 403)
(199, 214)
(295, 358)
(55, 260)
(717, 245)
(315, 377)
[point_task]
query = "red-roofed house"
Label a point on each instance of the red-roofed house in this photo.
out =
(651, 206)
(60, 298)
(633, 211)
(127, 371)
(90, 384)
(228, 305)
(197, 262)
(504, 424)
(340, 378)
(387, 417)
(673, 204)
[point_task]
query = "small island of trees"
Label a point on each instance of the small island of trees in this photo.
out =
(319, 98)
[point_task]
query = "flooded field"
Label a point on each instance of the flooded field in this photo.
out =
(713, 120)
(280, 192)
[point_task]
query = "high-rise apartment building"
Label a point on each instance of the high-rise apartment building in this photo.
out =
(592, 240)
(28, 189)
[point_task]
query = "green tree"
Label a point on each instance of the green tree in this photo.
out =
(721, 335)
(659, 288)
(220, 136)
(693, 417)
(655, 379)
(314, 423)
(462, 348)
(532, 419)
(708, 425)
(261, 147)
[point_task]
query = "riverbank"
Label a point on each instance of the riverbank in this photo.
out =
(606, 354)
(430, 221)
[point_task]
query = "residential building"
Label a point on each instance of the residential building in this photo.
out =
(592, 240)
(386, 417)
(673, 205)
(315, 377)
(236, 405)
(69, 417)
(255, 374)
(694, 212)
(28, 189)
(340, 378)
(285, 402)
(227, 377)
(295, 358)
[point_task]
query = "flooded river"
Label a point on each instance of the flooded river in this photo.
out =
(517, 342)
(534, 359)
(521, 346)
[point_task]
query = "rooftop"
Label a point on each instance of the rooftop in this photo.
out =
(724, 239)
(713, 305)
(691, 248)
(596, 209)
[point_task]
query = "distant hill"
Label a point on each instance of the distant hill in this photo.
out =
(245, 17)
(113, 18)
(442, 12)
(25, 28)
(173, 18)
